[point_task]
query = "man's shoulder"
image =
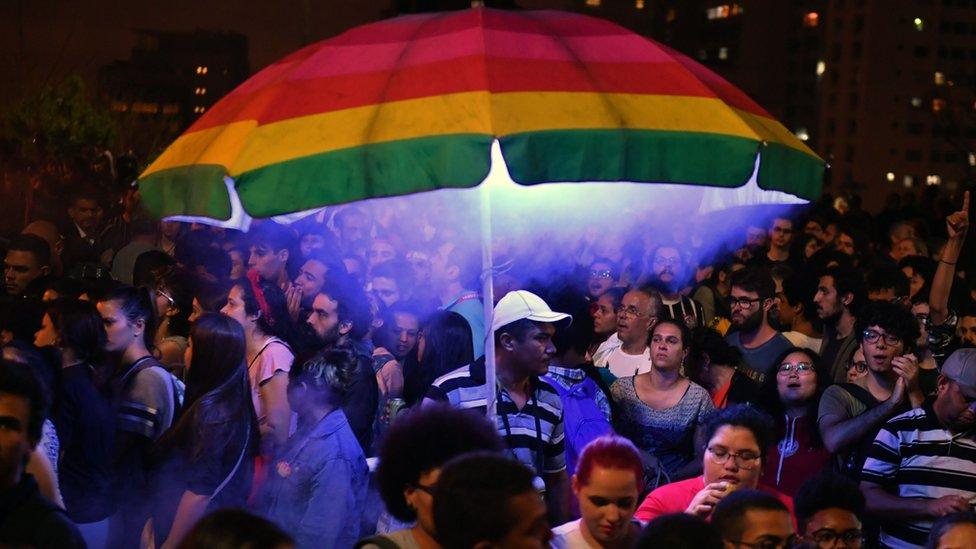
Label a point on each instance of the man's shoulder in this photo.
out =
(460, 376)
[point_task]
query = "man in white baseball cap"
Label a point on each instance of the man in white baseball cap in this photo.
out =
(529, 410)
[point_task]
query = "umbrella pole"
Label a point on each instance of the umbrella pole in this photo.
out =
(487, 295)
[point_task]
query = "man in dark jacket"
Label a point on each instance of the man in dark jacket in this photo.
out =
(27, 519)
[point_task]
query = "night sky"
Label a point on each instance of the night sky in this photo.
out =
(61, 37)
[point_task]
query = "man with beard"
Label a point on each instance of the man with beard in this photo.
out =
(922, 465)
(751, 300)
(839, 294)
(850, 414)
(340, 318)
(668, 276)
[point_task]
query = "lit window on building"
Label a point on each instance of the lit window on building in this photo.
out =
(972, 159)
(811, 19)
(802, 134)
(671, 16)
(145, 108)
(933, 180)
(199, 109)
(171, 108)
(201, 70)
(916, 102)
(723, 53)
(821, 68)
(939, 78)
(593, 3)
(908, 181)
(200, 91)
(938, 104)
(890, 176)
(723, 11)
(639, 4)
(919, 24)
(120, 106)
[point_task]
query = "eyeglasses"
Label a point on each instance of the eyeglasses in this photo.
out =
(166, 296)
(630, 310)
(801, 368)
(743, 460)
(772, 542)
(826, 537)
(872, 336)
(860, 365)
(668, 261)
(601, 274)
(741, 302)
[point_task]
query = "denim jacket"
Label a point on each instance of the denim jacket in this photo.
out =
(316, 487)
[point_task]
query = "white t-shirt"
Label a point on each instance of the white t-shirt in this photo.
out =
(802, 340)
(623, 365)
(568, 536)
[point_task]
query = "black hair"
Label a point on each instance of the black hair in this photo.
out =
(615, 294)
(277, 237)
(398, 270)
(614, 267)
(755, 280)
(884, 278)
(328, 375)
(179, 285)
(218, 401)
(34, 245)
(946, 523)
(472, 498)
(679, 531)
(136, 304)
(848, 280)
(709, 347)
(198, 249)
(687, 338)
(211, 295)
(518, 329)
(22, 318)
(468, 262)
(800, 288)
(744, 416)
(86, 192)
(280, 323)
(423, 440)
(770, 402)
(148, 264)
(352, 305)
(923, 267)
(19, 379)
(235, 529)
(827, 490)
(79, 327)
(892, 318)
(729, 515)
(386, 335)
(578, 333)
(448, 345)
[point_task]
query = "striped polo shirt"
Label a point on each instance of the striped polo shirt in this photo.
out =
(914, 456)
(534, 434)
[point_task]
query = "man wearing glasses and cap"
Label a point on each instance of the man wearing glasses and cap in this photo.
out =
(922, 465)
(529, 411)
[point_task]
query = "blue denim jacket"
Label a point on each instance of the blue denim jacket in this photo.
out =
(316, 487)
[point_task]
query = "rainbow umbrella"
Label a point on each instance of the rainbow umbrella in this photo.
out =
(414, 104)
(418, 103)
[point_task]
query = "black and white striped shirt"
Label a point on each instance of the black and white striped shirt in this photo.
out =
(914, 456)
(533, 434)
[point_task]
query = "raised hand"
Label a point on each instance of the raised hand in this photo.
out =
(958, 222)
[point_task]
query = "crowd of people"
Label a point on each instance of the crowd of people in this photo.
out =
(806, 381)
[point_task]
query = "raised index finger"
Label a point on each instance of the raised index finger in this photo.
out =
(965, 202)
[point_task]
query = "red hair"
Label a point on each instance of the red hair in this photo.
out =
(610, 452)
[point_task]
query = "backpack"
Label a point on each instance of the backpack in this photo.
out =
(583, 421)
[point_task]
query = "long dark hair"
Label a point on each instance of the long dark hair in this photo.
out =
(769, 394)
(447, 346)
(79, 327)
(218, 392)
(178, 285)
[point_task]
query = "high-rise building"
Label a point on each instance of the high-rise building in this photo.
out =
(175, 76)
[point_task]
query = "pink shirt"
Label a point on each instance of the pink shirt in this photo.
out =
(675, 498)
(275, 357)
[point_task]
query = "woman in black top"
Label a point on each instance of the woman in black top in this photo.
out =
(205, 461)
(82, 416)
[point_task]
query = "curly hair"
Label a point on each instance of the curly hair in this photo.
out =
(892, 318)
(423, 440)
(827, 490)
(329, 374)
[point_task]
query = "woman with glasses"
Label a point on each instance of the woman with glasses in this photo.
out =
(173, 299)
(733, 460)
(791, 397)
(661, 409)
(857, 368)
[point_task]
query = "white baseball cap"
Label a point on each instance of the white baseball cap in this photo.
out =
(520, 304)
